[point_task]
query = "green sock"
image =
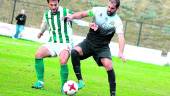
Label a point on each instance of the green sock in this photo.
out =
(63, 74)
(39, 67)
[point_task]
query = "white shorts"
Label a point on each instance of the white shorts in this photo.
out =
(56, 48)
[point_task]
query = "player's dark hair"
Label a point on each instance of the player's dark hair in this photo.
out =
(117, 2)
(53, 0)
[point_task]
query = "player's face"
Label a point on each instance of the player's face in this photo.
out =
(111, 8)
(53, 5)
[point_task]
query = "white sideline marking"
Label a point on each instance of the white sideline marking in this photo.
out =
(131, 52)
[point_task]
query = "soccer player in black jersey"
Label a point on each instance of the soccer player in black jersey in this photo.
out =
(105, 23)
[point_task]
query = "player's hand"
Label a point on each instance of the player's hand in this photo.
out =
(93, 26)
(68, 18)
(39, 35)
(122, 57)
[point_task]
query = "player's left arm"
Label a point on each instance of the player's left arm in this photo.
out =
(121, 41)
(121, 38)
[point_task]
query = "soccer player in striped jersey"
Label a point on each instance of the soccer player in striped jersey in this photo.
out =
(105, 23)
(61, 42)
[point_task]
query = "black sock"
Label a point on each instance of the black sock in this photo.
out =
(112, 82)
(75, 58)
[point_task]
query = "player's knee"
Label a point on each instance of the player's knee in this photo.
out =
(107, 63)
(108, 66)
(38, 55)
(64, 55)
(63, 60)
(74, 53)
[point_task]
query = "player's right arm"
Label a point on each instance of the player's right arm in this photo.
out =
(79, 15)
(17, 17)
(43, 27)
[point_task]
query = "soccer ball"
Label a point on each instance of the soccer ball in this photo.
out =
(70, 87)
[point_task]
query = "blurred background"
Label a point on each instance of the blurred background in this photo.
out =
(146, 22)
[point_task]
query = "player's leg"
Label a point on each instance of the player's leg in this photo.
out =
(107, 63)
(103, 58)
(64, 56)
(20, 31)
(75, 58)
(17, 31)
(63, 51)
(41, 53)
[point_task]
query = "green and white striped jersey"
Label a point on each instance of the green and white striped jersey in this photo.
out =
(60, 31)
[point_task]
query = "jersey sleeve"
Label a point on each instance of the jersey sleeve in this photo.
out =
(70, 11)
(43, 26)
(45, 16)
(118, 25)
(92, 12)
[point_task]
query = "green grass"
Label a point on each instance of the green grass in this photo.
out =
(17, 74)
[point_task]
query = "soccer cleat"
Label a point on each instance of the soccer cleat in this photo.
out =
(38, 85)
(81, 84)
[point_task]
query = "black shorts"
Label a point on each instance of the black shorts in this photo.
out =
(97, 52)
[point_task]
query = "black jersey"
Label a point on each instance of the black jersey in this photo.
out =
(21, 19)
(107, 26)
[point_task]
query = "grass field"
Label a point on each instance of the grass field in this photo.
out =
(17, 74)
